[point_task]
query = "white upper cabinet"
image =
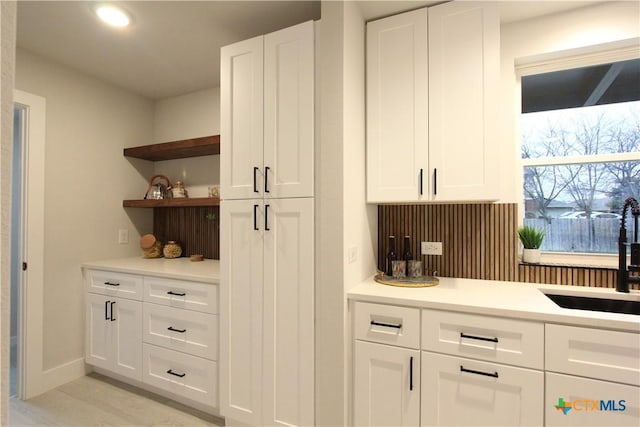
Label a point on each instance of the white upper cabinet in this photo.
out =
(267, 115)
(432, 105)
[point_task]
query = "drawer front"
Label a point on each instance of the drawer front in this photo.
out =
(593, 353)
(183, 330)
(187, 376)
(177, 293)
(114, 284)
(465, 392)
(494, 339)
(387, 324)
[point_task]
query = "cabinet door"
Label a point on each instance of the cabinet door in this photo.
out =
(289, 112)
(386, 385)
(241, 271)
(98, 331)
(126, 324)
(397, 110)
(464, 83)
(464, 392)
(241, 119)
(575, 401)
(288, 312)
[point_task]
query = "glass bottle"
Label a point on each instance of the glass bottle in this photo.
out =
(406, 254)
(391, 255)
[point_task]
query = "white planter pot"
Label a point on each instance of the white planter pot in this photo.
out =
(531, 256)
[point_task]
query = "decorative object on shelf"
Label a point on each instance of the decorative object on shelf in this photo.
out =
(214, 191)
(196, 258)
(407, 282)
(399, 269)
(157, 191)
(391, 255)
(151, 247)
(414, 269)
(406, 252)
(531, 239)
(178, 191)
(172, 249)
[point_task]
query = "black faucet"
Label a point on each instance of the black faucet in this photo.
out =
(624, 277)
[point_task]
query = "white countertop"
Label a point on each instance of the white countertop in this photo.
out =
(207, 271)
(505, 299)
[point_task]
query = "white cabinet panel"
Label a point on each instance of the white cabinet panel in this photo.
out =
(574, 401)
(397, 108)
(98, 340)
(464, 84)
(181, 374)
(186, 331)
(386, 385)
(241, 119)
(387, 324)
(181, 294)
(594, 353)
(114, 284)
(289, 112)
(489, 338)
(459, 392)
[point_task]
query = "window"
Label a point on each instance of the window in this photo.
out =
(580, 139)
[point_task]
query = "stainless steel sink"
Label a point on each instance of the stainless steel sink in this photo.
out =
(596, 304)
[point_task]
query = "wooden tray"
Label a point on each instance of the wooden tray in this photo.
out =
(406, 282)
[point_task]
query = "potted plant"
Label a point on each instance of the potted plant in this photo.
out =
(531, 239)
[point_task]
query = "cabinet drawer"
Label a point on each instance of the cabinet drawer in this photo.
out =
(183, 330)
(114, 284)
(494, 339)
(593, 353)
(464, 392)
(176, 293)
(182, 374)
(387, 324)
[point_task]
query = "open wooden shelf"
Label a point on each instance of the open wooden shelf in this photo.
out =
(172, 203)
(195, 147)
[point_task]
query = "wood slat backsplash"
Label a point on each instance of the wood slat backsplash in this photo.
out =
(479, 242)
(190, 227)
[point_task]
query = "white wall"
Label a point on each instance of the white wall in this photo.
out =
(7, 50)
(594, 25)
(88, 123)
(189, 116)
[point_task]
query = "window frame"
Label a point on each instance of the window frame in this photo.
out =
(558, 61)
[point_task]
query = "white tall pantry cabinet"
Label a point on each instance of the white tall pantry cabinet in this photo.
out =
(266, 229)
(433, 77)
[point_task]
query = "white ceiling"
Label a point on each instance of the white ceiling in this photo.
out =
(173, 46)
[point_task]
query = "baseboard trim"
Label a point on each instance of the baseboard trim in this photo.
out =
(55, 377)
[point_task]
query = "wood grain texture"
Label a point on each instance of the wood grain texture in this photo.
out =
(479, 242)
(165, 203)
(204, 146)
(191, 227)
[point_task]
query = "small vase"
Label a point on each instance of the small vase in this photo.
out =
(531, 256)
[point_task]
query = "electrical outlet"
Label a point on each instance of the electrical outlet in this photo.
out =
(123, 236)
(431, 248)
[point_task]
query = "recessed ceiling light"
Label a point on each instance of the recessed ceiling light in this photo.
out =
(113, 15)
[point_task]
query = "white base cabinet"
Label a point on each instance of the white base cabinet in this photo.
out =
(465, 392)
(387, 385)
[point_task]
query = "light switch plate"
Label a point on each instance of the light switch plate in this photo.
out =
(431, 248)
(123, 236)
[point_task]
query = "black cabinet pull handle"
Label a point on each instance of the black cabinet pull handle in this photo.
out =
(475, 337)
(435, 181)
(175, 373)
(255, 179)
(471, 371)
(171, 328)
(411, 373)
(255, 217)
(111, 284)
(178, 294)
(113, 319)
(266, 218)
(421, 174)
(387, 325)
(106, 310)
(266, 177)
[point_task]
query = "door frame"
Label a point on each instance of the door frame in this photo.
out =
(31, 287)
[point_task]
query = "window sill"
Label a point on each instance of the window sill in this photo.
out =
(554, 259)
